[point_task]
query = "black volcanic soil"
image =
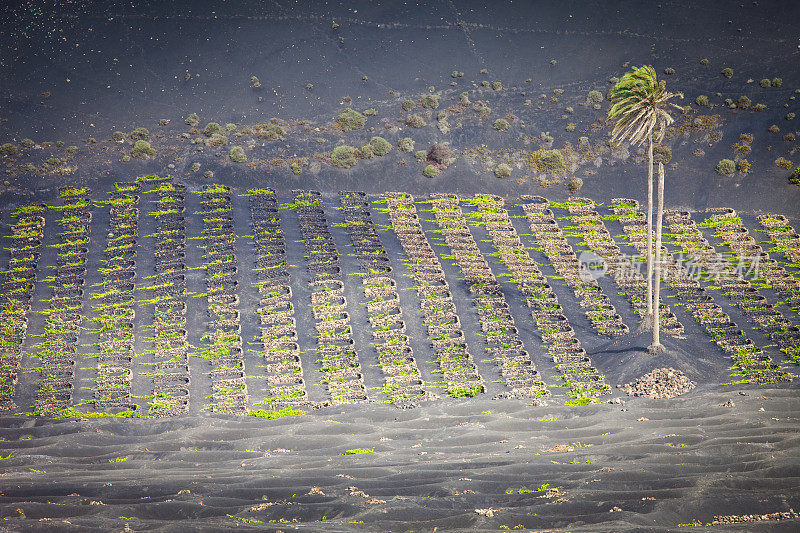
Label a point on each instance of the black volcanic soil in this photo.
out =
(641, 465)
(645, 465)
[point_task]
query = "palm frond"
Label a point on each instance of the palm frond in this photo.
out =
(639, 103)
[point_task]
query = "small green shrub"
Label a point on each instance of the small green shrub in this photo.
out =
(343, 156)
(272, 133)
(27, 143)
(743, 102)
(140, 134)
(430, 101)
(725, 167)
(765, 83)
(727, 72)
(574, 184)
(54, 161)
(701, 100)
(208, 174)
(502, 171)
(142, 150)
(759, 107)
(230, 126)
(406, 144)
(669, 71)
(408, 105)
(501, 124)
(415, 121)
(237, 155)
(570, 127)
(192, 120)
(794, 177)
(217, 139)
(551, 161)
(350, 120)
(482, 109)
(359, 451)
(496, 85)
(661, 154)
(280, 413)
(578, 402)
(212, 128)
(9, 149)
(465, 392)
(297, 168)
(784, 163)
(195, 167)
(420, 155)
(777, 82)
(790, 116)
(742, 148)
(164, 122)
(118, 136)
(380, 146)
(594, 97)
(704, 62)
(126, 158)
(366, 152)
(431, 171)
(72, 149)
(744, 166)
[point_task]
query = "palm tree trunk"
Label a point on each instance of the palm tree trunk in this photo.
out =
(656, 346)
(649, 317)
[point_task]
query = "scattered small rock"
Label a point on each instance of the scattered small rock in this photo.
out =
(729, 403)
(488, 513)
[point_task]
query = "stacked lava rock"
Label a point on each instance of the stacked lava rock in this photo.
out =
(659, 384)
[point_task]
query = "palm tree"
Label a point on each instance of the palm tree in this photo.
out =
(639, 104)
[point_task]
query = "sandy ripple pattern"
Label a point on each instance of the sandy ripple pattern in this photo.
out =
(654, 466)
